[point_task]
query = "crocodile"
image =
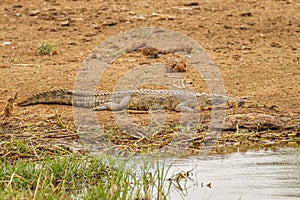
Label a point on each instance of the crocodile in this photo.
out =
(145, 99)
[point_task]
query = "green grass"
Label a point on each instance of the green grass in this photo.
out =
(46, 48)
(69, 177)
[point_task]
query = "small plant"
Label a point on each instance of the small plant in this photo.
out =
(45, 48)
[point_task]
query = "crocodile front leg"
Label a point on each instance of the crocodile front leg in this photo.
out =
(113, 106)
(187, 106)
(184, 108)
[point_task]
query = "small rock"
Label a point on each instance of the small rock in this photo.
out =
(86, 39)
(244, 27)
(227, 27)
(246, 14)
(110, 23)
(5, 43)
(245, 47)
(132, 13)
(17, 6)
(65, 23)
(34, 13)
(91, 34)
(236, 56)
(141, 18)
(163, 16)
(275, 44)
(191, 4)
(262, 35)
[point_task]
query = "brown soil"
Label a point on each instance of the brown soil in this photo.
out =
(255, 44)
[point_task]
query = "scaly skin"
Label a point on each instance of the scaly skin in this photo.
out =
(176, 100)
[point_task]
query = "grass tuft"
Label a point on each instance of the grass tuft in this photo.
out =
(70, 177)
(46, 48)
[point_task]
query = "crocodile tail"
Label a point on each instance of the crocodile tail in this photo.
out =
(52, 97)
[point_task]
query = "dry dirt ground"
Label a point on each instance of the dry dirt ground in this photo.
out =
(255, 45)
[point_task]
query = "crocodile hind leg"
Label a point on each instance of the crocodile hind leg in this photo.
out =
(112, 106)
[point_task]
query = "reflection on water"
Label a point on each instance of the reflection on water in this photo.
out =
(250, 175)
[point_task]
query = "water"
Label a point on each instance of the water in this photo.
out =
(251, 175)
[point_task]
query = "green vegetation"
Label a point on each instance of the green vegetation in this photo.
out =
(69, 177)
(45, 48)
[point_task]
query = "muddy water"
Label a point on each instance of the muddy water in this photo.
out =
(250, 175)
